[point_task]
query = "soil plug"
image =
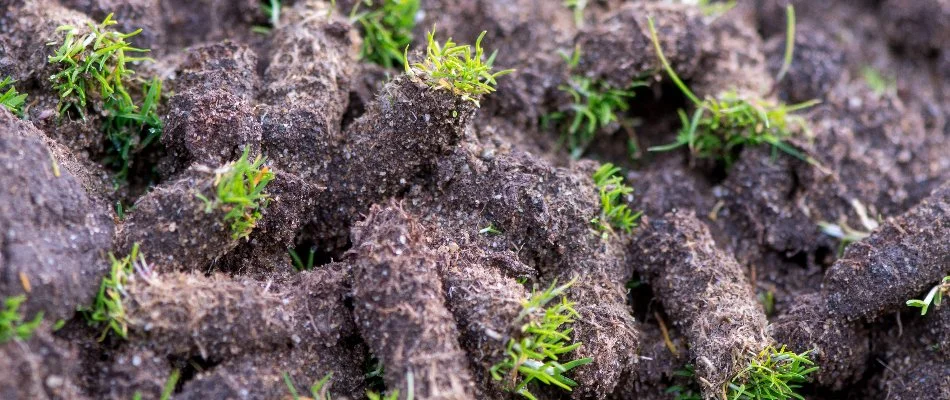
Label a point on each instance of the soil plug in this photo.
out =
(200, 217)
(903, 258)
(401, 311)
(680, 261)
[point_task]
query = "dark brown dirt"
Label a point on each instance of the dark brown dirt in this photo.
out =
(391, 183)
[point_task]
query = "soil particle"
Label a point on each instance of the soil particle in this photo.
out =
(40, 368)
(903, 258)
(53, 234)
(680, 261)
(840, 348)
(401, 310)
(625, 31)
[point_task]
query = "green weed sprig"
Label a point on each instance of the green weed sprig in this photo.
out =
(108, 308)
(96, 65)
(12, 325)
(458, 68)
(614, 214)
(772, 374)
(722, 125)
(387, 30)
(534, 356)
(239, 191)
(934, 296)
(11, 99)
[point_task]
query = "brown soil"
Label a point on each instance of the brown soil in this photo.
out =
(390, 182)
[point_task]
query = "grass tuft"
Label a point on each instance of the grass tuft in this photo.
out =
(721, 126)
(11, 99)
(614, 214)
(12, 326)
(95, 64)
(772, 374)
(108, 308)
(534, 356)
(462, 69)
(934, 296)
(239, 192)
(387, 30)
(595, 106)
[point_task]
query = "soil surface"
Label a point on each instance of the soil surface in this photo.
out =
(389, 186)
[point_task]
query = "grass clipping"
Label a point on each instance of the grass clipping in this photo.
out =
(543, 338)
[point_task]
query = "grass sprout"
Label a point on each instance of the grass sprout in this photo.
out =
(491, 229)
(721, 126)
(239, 192)
(94, 63)
(789, 42)
(320, 390)
(12, 324)
(772, 374)
(577, 6)
(878, 83)
(394, 395)
(299, 263)
(462, 69)
(108, 308)
(170, 385)
(11, 99)
(934, 296)
(614, 214)
(533, 357)
(387, 30)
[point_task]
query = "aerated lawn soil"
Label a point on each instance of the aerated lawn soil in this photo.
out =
(596, 199)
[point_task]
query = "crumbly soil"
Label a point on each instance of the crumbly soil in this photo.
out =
(390, 182)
